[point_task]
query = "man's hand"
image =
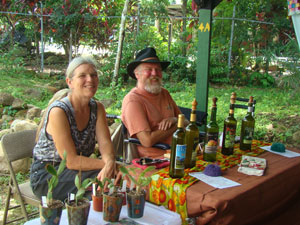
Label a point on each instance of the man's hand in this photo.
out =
(165, 124)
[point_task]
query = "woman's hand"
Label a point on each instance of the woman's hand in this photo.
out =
(109, 170)
(165, 124)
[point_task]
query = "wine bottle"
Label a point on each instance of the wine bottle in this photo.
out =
(247, 129)
(178, 150)
(211, 136)
(229, 130)
(191, 139)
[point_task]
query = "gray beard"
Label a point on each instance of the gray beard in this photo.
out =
(154, 89)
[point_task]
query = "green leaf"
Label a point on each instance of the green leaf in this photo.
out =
(80, 193)
(86, 183)
(77, 181)
(50, 169)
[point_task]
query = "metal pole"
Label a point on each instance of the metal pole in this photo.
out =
(70, 47)
(42, 39)
(231, 39)
(170, 40)
(138, 23)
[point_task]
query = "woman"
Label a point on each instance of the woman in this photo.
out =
(73, 124)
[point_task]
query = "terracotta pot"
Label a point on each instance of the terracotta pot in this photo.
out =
(51, 215)
(98, 202)
(78, 214)
(135, 204)
(112, 205)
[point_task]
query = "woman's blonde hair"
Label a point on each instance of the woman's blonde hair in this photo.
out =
(64, 92)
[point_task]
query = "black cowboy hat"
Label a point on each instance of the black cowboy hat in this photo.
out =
(147, 55)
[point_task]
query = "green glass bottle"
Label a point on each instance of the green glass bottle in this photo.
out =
(212, 135)
(178, 150)
(191, 139)
(247, 129)
(229, 130)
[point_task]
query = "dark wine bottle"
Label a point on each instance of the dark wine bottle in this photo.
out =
(211, 135)
(247, 130)
(191, 139)
(229, 130)
(178, 150)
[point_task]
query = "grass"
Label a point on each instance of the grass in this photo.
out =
(277, 111)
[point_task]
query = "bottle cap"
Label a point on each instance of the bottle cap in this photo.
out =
(232, 98)
(251, 99)
(194, 104)
(214, 102)
(180, 120)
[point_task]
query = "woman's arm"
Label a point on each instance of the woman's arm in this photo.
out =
(105, 144)
(58, 127)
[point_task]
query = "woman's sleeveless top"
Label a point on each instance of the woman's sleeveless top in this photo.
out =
(84, 140)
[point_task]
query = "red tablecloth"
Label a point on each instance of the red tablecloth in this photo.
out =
(257, 201)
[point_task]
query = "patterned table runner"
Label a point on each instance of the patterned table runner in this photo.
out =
(171, 193)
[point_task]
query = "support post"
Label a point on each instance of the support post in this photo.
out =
(231, 40)
(42, 39)
(203, 57)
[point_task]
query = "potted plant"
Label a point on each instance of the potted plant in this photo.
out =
(112, 203)
(97, 194)
(51, 209)
(136, 197)
(78, 208)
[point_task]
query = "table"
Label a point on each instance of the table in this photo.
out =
(269, 199)
(153, 215)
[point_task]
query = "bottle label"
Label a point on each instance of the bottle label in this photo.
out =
(180, 156)
(229, 137)
(248, 135)
(250, 109)
(211, 145)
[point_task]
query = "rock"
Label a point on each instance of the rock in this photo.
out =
(34, 93)
(21, 114)
(6, 99)
(33, 112)
(296, 137)
(18, 125)
(61, 84)
(270, 127)
(18, 104)
(7, 118)
(52, 89)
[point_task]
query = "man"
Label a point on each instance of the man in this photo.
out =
(148, 111)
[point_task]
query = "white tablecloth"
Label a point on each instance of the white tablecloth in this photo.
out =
(152, 215)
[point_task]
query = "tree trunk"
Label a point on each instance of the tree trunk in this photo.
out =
(120, 46)
(183, 37)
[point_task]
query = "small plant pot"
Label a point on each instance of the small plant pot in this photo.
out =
(112, 205)
(78, 214)
(98, 202)
(124, 199)
(51, 215)
(135, 204)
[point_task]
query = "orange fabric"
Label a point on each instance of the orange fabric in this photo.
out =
(142, 111)
(171, 193)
